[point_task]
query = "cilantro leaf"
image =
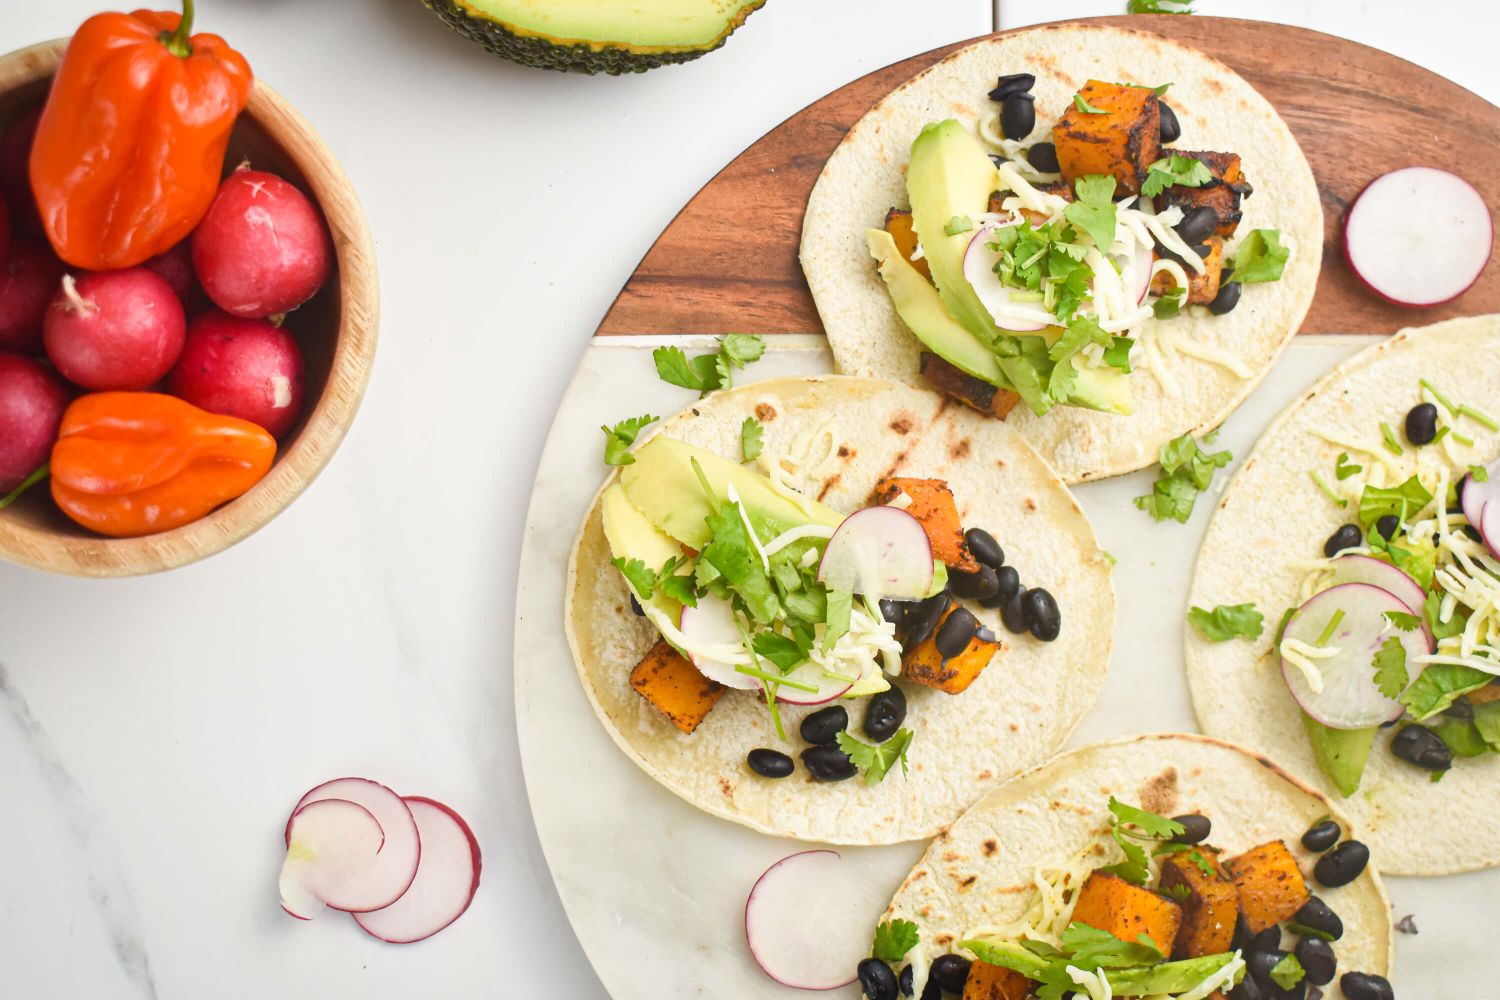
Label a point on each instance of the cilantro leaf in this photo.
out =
(641, 579)
(779, 649)
(1479, 474)
(1228, 621)
(1260, 258)
(1169, 305)
(1117, 355)
(1182, 171)
(1405, 501)
(731, 555)
(619, 438)
(1186, 470)
(876, 761)
(958, 224)
(1091, 948)
(893, 940)
(708, 372)
(750, 435)
(1086, 107)
(741, 348)
(1390, 668)
(1159, 7)
(680, 588)
(1135, 868)
(1149, 823)
(1403, 621)
(1439, 686)
(1343, 468)
(1287, 972)
(1094, 209)
(840, 605)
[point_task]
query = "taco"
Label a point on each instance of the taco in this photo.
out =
(1161, 866)
(1361, 531)
(1107, 250)
(895, 606)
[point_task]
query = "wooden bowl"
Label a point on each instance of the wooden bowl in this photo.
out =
(336, 331)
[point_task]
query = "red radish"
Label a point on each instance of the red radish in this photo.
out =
(15, 170)
(1378, 573)
(810, 673)
(32, 401)
(28, 280)
(446, 879)
(4, 231)
(797, 922)
(879, 552)
(114, 329)
(1145, 257)
(1481, 505)
(712, 624)
(244, 368)
(262, 249)
(1418, 236)
(1348, 697)
(979, 271)
(331, 843)
(176, 268)
(384, 882)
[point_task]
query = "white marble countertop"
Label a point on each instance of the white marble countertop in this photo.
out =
(155, 731)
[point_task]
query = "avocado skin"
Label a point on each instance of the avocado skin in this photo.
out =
(579, 57)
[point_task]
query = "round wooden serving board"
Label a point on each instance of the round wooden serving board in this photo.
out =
(728, 261)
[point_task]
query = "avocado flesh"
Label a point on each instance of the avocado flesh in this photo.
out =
(587, 36)
(1341, 753)
(631, 535)
(662, 484)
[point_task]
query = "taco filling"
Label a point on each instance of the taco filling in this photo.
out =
(1044, 268)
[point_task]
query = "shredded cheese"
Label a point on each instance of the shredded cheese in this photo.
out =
(793, 535)
(1302, 654)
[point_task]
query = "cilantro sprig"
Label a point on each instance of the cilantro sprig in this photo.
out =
(750, 439)
(1262, 257)
(1159, 7)
(1093, 209)
(894, 939)
(1228, 621)
(1390, 667)
(619, 438)
(646, 581)
(1186, 471)
(1181, 171)
(1129, 825)
(878, 759)
(706, 372)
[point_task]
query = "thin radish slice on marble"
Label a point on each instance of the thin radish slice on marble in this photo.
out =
(1418, 236)
(331, 843)
(797, 922)
(446, 879)
(394, 870)
(879, 552)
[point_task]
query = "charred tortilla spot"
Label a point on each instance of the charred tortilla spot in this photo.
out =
(959, 450)
(950, 856)
(846, 452)
(965, 883)
(902, 424)
(1030, 505)
(990, 847)
(726, 787)
(765, 412)
(943, 940)
(986, 774)
(828, 484)
(1158, 794)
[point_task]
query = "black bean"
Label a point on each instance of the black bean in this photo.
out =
(1421, 746)
(877, 979)
(1014, 612)
(1014, 83)
(769, 763)
(950, 972)
(906, 981)
(1198, 225)
(998, 160)
(1018, 116)
(1195, 828)
(1043, 156)
(984, 547)
(1009, 582)
(885, 713)
(824, 725)
(1042, 615)
(828, 763)
(984, 635)
(1321, 836)
(1421, 423)
(1366, 986)
(953, 638)
(932, 991)
(1171, 128)
(1461, 709)
(1347, 537)
(894, 611)
(922, 619)
(1240, 940)
(1297, 992)
(1318, 960)
(1341, 865)
(1316, 915)
(1227, 297)
(635, 606)
(1248, 989)
(1387, 526)
(1267, 940)
(1260, 963)
(975, 586)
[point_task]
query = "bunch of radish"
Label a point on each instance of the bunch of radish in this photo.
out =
(202, 321)
(404, 868)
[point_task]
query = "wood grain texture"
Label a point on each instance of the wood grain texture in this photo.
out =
(728, 261)
(336, 331)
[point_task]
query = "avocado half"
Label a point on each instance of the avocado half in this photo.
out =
(586, 36)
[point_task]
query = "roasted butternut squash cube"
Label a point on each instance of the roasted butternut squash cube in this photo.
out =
(925, 665)
(1124, 140)
(1109, 903)
(968, 390)
(1223, 194)
(933, 505)
(1210, 903)
(995, 982)
(1063, 191)
(898, 224)
(1269, 884)
(1202, 288)
(667, 680)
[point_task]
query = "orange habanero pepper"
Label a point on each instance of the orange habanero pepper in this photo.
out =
(135, 463)
(130, 147)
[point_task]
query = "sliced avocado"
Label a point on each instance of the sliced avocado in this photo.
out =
(587, 36)
(1167, 977)
(1341, 753)
(950, 176)
(921, 309)
(663, 485)
(631, 535)
(1105, 389)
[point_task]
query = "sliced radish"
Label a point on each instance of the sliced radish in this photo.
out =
(1481, 505)
(332, 845)
(879, 552)
(446, 879)
(994, 295)
(712, 625)
(1349, 698)
(810, 673)
(1418, 236)
(396, 866)
(1378, 573)
(797, 922)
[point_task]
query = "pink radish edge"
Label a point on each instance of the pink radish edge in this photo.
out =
(395, 833)
(368, 920)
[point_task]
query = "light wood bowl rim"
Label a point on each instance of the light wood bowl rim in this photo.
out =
(332, 411)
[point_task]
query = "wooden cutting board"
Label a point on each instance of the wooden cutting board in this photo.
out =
(728, 261)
